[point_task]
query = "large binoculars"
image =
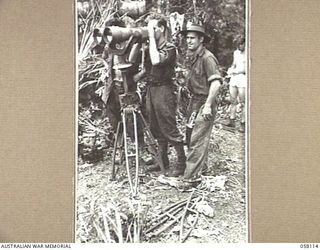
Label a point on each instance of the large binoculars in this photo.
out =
(115, 34)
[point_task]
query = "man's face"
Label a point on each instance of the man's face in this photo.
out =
(193, 40)
(158, 31)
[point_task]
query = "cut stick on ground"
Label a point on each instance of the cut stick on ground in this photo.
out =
(183, 239)
(171, 212)
(173, 205)
(165, 213)
(170, 209)
(163, 221)
(167, 226)
(160, 216)
(188, 209)
(171, 223)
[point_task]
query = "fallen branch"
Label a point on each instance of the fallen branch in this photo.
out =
(167, 226)
(174, 208)
(171, 212)
(188, 209)
(182, 240)
(163, 220)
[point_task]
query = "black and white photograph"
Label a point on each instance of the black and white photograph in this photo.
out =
(162, 121)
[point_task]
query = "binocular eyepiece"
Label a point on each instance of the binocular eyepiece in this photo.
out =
(115, 34)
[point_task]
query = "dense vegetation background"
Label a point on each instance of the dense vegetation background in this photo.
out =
(105, 210)
(224, 21)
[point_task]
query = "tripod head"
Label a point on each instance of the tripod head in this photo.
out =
(129, 69)
(130, 97)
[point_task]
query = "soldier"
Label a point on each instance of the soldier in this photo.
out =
(204, 82)
(161, 103)
(238, 84)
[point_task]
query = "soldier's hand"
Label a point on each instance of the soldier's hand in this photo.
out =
(207, 112)
(151, 26)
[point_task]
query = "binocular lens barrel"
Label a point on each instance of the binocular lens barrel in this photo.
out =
(97, 35)
(118, 34)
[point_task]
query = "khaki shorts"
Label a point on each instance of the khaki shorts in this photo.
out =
(239, 80)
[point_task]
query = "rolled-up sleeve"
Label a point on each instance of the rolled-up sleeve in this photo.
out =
(212, 69)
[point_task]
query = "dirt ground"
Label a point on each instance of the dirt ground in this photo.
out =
(223, 191)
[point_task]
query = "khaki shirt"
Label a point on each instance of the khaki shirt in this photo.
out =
(164, 71)
(204, 69)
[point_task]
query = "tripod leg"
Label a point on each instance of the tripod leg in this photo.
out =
(121, 147)
(153, 143)
(126, 150)
(115, 147)
(135, 125)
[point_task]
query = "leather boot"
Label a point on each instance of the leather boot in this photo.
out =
(188, 136)
(163, 151)
(181, 161)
